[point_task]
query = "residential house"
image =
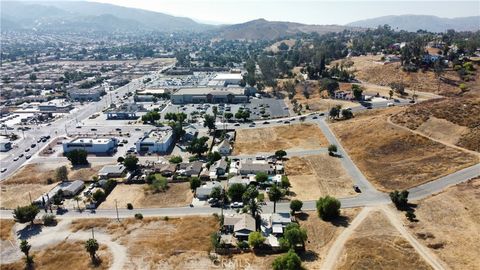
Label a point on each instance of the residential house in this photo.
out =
(250, 167)
(240, 225)
(111, 171)
(224, 148)
(203, 192)
(219, 168)
(191, 169)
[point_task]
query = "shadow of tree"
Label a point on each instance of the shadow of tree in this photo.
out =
(302, 216)
(309, 256)
(341, 221)
(29, 231)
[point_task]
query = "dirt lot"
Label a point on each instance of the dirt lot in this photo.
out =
(376, 244)
(405, 159)
(315, 176)
(368, 68)
(270, 139)
(321, 235)
(454, 120)
(66, 255)
(178, 194)
(176, 243)
(449, 223)
(12, 196)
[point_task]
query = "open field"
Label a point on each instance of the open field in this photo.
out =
(315, 176)
(395, 158)
(178, 194)
(270, 139)
(376, 244)
(368, 69)
(176, 243)
(12, 196)
(453, 120)
(65, 255)
(321, 235)
(6, 229)
(449, 224)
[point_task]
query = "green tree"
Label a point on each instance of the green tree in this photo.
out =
(176, 159)
(398, 87)
(255, 239)
(235, 192)
(198, 146)
(335, 111)
(261, 177)
(347, 114)
(399, 198)
(390, 93)
(216, 193)
(25, 248)
(357, 91)
(61, 173)
(77, 157)
(293, 236)
(213, 156)
(209, 121)
(228, 115)
(288, 261)
(98, 196)
(411, 216)
(251, 193)
(296, 205)
(274, 195)
(330, 85)
(285, 182)
(280, 154)
(131, 162)
(24, 214)
(328, 208)
(332, 149)
(91, 245)
(254, 207)
(32, 77)
(195, 183)
(151, 117)
(160, 184)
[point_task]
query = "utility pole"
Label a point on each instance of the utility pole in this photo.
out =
(30, 196)
(93, 234)
(116, 209)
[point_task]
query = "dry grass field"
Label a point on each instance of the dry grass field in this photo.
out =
(449, 224)
(12, 196)
(270, 139)
(368, 69)
(454, 120)
(395, 158)
(274, 46)
(376, 244)
(6, 229)
(321, 235)
(319, 175)
(178, 194)
(65, 255)
(176, 243)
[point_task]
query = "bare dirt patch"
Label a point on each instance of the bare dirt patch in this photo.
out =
(65, 255)
(461, 112)
(394, 158)
(321, 235)
(449, 223)
(12, 196)
(176, 243)
(319, 175)
(178, 194)
(33, 174)
(270, 139)
(376, 244)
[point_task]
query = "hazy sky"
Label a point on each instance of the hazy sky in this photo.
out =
(304, 11)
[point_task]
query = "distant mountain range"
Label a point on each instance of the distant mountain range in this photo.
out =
(413, 23)
(82, 16)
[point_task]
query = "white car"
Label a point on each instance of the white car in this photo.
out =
(236, 205)
(3, 170)
(390, 104)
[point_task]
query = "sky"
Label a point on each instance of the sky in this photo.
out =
(303, 11)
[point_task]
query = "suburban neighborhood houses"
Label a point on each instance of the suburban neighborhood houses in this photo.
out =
(136, 139)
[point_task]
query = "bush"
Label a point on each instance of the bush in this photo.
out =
(77, 157)
(296, 205)
(120, 159)
(289, 261)
(399, 199)
(332, 149)
(99, 196)
(243, 245)
(195, 183)
(328, 208)
(24, 214)
(159, 184)
(255, 239)
(138, 216)
(129, 206)
(176, 159)
(49, 220)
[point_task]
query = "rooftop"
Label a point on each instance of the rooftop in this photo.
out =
(228, 76)
(210, 90)
(91, 140)
(158, 135)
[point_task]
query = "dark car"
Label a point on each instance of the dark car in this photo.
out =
(314, 117)
(118, 129)
(357, 189)
(266, 123)
(237, 125)
(28, 149)
(28, 156)
(33, 145)
(93, 129)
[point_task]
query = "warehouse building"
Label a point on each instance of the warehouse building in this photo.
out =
(209, 95)
(125, 111)
(156, 141)
(86, 94)
(92, 146)
(226, 79)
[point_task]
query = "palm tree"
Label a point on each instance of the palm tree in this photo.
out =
(77, 199)
(254, 207)
(92, 246)
(275, 194)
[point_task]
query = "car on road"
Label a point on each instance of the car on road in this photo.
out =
(3, 170)
(252, 125)
(78, 127)
(28, 156)
(266, 123)
(286, 122)
(93, 129)
(28, 149)
(357, 189)
(39, 140)
(15, 158)
(236, 205)
(314, 117)
(237, 125)
(138, 129)
(118, 129)
(322, 114)
(33, 145)
(20, 156)
(390, 104)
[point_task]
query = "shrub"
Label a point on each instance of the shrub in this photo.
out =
(332, 148)
(176, 159)
(138, 216)
(255, 239)
(296, 205)
(49, 220)
(328, 208)
(399, 199)
(243, 245)
(129, 206)
(24, 214)
(288, 261)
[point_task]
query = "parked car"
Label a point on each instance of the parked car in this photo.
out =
(357, 189)
(3, 170)
(28, 156)
(237, 125)
(27, 150)
(286, 122)
(93, 129)
(252, 125)
(266, 123)
(236, 205)
(20, 156)
(15, 158)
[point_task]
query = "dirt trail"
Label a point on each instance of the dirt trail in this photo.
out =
(389, 120)
(53, 235)
(428, 256)
(336, 249)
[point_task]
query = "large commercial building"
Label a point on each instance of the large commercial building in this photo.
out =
(93, 146)
(225, 79)
(5, 144)
(209, 95)
(93, 94)
(125, 111)
(156, 141)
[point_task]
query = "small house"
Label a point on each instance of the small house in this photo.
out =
(203, 192)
